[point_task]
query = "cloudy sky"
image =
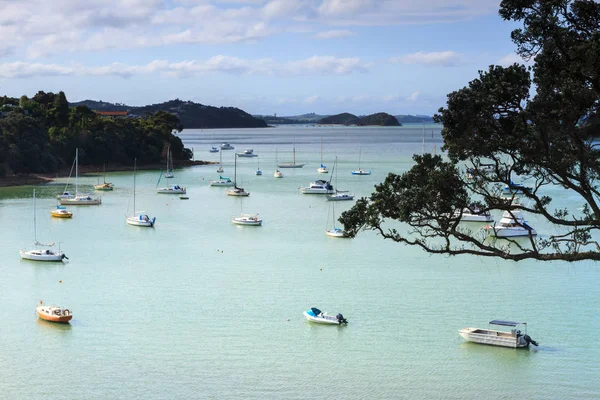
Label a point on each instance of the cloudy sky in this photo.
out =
(264, 56)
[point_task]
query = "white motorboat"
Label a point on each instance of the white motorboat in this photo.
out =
(474, 215)
(318, 187)
(176, 189)
(512, 225)
(65, 195)
(79, 199)
(277, 174)
(226, 146)
(40, 252)
(247, 153)
(138, 218)
(293, 163)
(516, 188)
(214, 149)
(222, 181)
(315, 315)
(514, 339)
(247, 219)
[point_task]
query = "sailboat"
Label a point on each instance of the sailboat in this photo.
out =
(169, 173)
(322, 169)
(360, 171)
(292, 164)
(277, 173)
(220, 169)
(138, 218)
(246, 219)
(66, 194)
(339, 195)
(335, 232)
(79, 199)
(236, 191)
(258, 171)
(41, 252)
(106, 186)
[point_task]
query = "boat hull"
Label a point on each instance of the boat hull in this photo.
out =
(326, 320)
(336, 233)
(35, 256)
(40, 311)
(291, 165)
(171, 191)
(509, 232)
(322, 170)
(340, 197)
(306, 190)
(492, 338)
(246, 222)
(136, 221)
(80, 202)
(361, 172)
(61, 215)
(277, 175)
(220, 183)
(236, 193)
(477, 218)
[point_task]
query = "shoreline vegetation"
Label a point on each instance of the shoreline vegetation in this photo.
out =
(90, 170)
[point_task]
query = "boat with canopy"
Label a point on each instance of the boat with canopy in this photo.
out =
(515, 339)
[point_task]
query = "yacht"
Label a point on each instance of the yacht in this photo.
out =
(214, 149)
(315, 315)
(340, 196)
(474, 215)
(318, 187)
(176, 189)
(222, 181)
(247, 153)
(53, 313)
(512, 225)
(226, 146)
(79, 199)
(247, 219)
(514, 339)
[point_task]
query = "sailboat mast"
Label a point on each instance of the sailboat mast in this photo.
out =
(294, 155)
(76, 170)
(134, 170)
(235, 170)
(34, 220)
(321, 150)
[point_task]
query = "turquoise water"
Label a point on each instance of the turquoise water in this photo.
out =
(200, 308)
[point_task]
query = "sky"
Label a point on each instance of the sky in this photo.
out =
(284, 57)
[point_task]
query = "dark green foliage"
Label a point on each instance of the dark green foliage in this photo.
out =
(547, 139)
(46, 138)
(340, 119)
(380, 119)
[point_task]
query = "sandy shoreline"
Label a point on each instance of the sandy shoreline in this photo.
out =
(36, 179)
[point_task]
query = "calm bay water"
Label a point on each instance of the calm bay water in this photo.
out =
(199, 308)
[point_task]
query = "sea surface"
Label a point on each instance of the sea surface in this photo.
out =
(198, 308)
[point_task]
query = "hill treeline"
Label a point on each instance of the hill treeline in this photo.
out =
(381, 119)
(40, 135)
(192, 115)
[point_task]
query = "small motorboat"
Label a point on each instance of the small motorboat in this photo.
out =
(214, 149)
(222, 181)
(247, 219)
(315, 315)
(184, 198)
(516, 188)
(474, 214)
(226, 146)
(512, 224)
(514, 339)
(61, 212)
(247, 153)
(361, 172)
(278, 174)
(53, 313)
(172, 190)
(318, 187)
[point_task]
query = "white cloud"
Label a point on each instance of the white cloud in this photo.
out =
(413, 96)
(312, 99)
(316, 65)
(510, 59)
(334, 34)
(439, 58)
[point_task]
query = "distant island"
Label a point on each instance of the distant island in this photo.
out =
(380, 119)
(313, 119)
(192, 115)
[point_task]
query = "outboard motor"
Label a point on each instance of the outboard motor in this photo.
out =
(529, 340)
(342, 320)
(64, 256)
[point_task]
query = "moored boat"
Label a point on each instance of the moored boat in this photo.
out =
(247, 219)
(340, 196)
(226, 146)
(514, 339)
(474, 214)
(277, 174)
(318, 187)
(53, 313)
(222, 181)
(214, 149)
(247, 153)
(61, 212)
(315, 315)
(176, 189)
(512, 224)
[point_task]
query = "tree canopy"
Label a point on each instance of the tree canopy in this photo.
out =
(41, 134)
(538, 124)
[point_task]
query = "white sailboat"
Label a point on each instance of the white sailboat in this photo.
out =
(169, 173)
(138, 218)
(66, 194)
(220, 169)
(322, 169)
(360, 171)
(339, 195)
(40, 251)
(236, 191)
(293, 163)
(335, 232)
(106, 186)
(277, 173)
(79, 199)
(258, 171)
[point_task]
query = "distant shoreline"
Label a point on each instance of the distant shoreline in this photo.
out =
(36, 179)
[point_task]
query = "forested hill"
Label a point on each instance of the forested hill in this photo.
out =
(382, 119)
(40, 135)
(192, 115)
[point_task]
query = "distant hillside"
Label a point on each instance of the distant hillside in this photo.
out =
(340, 119)
(381, 119)
(310, 118)
(192, 115)
(414, 118)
